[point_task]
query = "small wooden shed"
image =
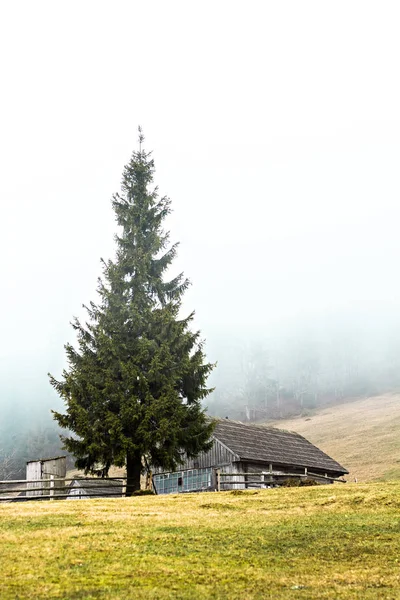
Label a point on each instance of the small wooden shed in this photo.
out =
(44, 474)
(244, 449)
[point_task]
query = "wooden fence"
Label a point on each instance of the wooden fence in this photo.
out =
(21, 490)
(225, 481)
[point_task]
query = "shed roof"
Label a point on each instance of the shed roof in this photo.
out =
(45, 459)
(260, 443)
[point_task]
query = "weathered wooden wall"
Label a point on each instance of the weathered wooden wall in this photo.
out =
(236, 482)
(218, 456)
(34, 471)
(49, 469)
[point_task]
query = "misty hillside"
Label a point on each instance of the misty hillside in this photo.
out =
(362, 435)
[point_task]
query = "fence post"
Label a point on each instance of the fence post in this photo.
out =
(51, 487)
(218, 473)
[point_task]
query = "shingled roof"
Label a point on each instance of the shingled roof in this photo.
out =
(260, 443)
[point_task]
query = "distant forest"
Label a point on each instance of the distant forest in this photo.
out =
(261, 380)
(26, 435)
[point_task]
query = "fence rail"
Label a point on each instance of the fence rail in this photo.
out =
(283, 475)
(262, 479)
(20, 490)
(63, 479)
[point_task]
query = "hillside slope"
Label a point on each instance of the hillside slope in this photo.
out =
(363, 435)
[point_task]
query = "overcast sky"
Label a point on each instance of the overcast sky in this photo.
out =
(275, 130)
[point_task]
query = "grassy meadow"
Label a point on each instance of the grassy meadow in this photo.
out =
(339, 541)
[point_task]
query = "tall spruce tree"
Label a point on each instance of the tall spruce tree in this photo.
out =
(134, 386)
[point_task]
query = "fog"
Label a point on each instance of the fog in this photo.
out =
(275, 131)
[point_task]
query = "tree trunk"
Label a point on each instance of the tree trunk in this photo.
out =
(133, 472)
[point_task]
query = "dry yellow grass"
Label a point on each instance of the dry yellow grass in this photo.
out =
(363, 435)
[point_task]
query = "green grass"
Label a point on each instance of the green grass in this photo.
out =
(337, 541)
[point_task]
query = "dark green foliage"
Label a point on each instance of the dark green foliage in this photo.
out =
(134, 386)
(298, 482)
(290, 482)
(308, 482)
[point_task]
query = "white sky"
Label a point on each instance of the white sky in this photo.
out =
(275, 129)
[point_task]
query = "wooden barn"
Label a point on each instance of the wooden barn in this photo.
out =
(253, 456)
